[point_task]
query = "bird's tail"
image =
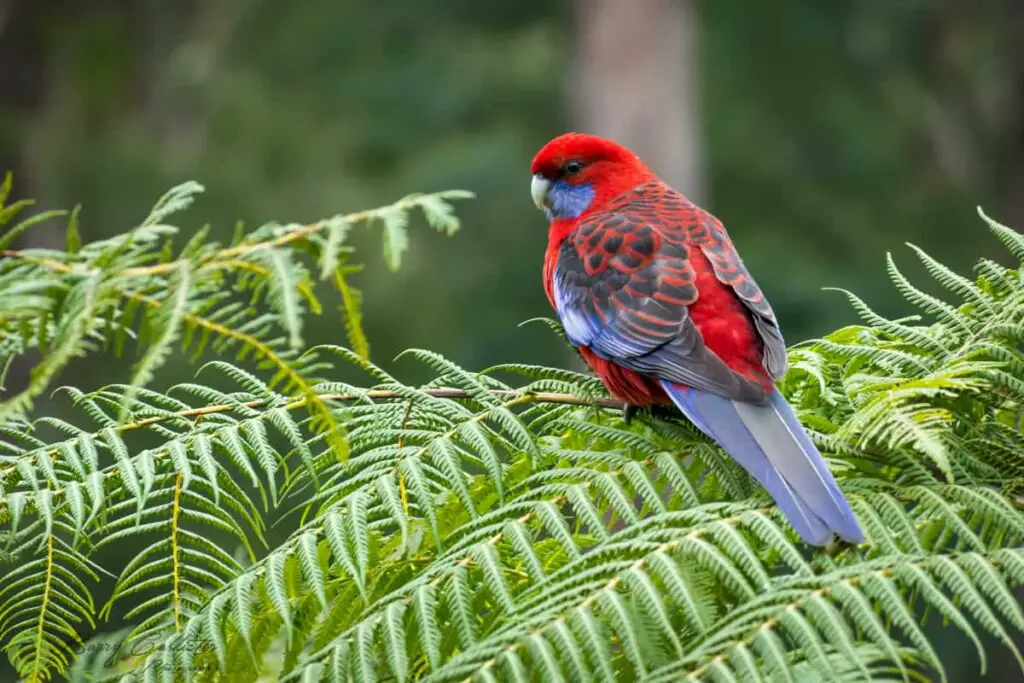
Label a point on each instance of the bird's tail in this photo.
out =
(768, 441)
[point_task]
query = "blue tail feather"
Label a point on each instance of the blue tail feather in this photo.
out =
(769, 442)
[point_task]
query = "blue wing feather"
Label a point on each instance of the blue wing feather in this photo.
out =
(585, 328)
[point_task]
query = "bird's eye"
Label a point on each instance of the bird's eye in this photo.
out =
(573, 167)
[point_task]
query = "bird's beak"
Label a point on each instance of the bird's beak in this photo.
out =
(539, 187)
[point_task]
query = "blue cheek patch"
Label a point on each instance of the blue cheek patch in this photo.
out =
(569, 201)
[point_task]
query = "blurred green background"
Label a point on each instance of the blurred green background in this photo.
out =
(822, 133)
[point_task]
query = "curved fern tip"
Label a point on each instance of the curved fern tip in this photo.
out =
(538, 319)
(404, 352)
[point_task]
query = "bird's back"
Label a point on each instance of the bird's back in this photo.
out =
(693, 249)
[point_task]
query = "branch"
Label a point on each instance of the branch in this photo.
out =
(230, 255)
(387, 395)
(375, 394)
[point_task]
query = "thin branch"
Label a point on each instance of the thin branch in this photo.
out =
(50, 263)
(217, 259)
(535, 397)
(229, 256)
(374, 394)
(387, 395)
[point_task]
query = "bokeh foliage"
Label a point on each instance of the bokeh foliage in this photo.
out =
(833, 132)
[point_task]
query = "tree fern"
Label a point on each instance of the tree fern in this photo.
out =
(509, 524)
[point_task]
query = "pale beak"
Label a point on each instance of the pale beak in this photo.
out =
(539, 187)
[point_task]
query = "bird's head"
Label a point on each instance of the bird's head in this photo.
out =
(574, 170)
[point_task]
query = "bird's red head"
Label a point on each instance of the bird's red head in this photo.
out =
(576, 172)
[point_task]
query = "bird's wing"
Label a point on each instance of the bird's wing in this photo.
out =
(623, 286)
(708, 233)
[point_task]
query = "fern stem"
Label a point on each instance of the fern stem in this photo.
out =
(52, 264)
(217, 259)
(317, 407)
(401, 475)
(515, 397)
(38, 669)
(175, 561)
(353, 317)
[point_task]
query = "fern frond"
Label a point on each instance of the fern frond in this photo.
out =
(107, 279)
(504, 524)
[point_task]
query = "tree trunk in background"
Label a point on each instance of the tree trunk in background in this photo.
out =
(1015, 195)
(31, 82)
(22, 93)
(22, 82)
(634, 80)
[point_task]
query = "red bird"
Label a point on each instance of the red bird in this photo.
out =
(651, 290)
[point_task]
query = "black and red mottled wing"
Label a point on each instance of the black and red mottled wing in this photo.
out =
(623, 288)
(625, 282)
(707, 232)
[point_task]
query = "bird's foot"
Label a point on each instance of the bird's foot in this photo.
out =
(665, 412)
(836, 545)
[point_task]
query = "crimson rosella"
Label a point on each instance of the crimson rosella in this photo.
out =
(650, 289)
